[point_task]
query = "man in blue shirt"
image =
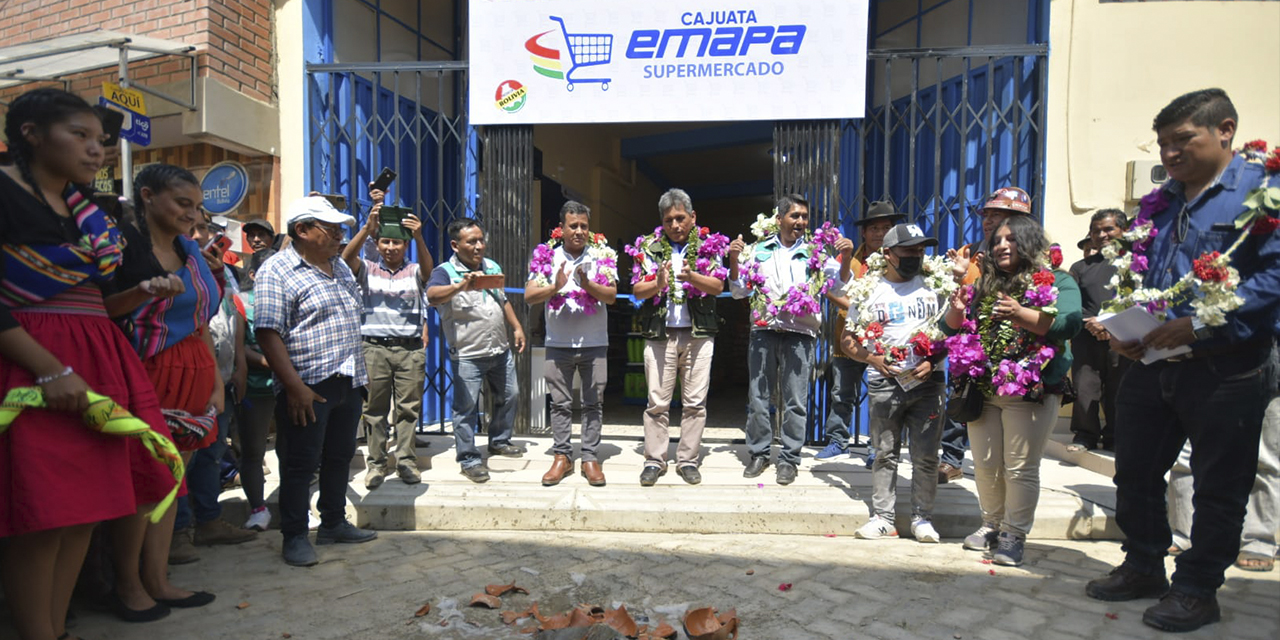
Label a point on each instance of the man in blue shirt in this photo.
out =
(1214, 396)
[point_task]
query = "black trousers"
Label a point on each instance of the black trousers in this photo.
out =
(1218, 403)
(327, 443)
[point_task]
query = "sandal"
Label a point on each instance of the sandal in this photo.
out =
(1249, 561)
(1077, 447)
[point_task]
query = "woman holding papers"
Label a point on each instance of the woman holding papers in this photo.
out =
(1008, 335)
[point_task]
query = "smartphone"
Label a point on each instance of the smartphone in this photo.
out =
(495, 281)
(389, 219)
(108, 202)
(219, 242)
(383, 180)
(112, 121)
(338, 200)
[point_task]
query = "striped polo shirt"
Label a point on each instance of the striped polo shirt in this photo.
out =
(392, 300)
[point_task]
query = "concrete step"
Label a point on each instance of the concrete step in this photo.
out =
(1099, 461)
(828, 497)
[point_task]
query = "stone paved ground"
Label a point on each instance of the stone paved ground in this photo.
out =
(843, 588)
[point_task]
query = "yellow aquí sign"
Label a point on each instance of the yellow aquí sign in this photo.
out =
(130, 99)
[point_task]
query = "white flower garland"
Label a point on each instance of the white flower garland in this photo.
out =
(867, 329)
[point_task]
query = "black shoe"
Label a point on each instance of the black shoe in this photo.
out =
(506, 450)
(160, 610)
(1181, 611)
(756, 467)
(650, 475)
(197, 599)
(689, 473)
(477, 474)
(786, 473)
(1126, 583)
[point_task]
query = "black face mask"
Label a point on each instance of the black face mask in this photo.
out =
(909, 267)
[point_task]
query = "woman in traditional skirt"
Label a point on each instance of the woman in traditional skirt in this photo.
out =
(172, 337)
(57, 476)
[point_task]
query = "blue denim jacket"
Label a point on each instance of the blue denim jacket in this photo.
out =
(1211, 227)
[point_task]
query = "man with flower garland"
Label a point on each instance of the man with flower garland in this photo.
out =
(575, 280)
(676, 277)
(785, 274)
(896, 312)
(1216, 394)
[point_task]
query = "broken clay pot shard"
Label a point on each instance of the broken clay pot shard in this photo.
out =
(704, 624)
(621, 621)
(485, 600)
(499, 590)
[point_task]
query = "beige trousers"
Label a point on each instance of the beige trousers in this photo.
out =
(1007, 443)
(690, 358)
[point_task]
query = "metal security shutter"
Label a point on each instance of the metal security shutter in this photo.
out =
(506, 207)
(408, 117)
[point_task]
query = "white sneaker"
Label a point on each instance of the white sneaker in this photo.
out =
(922, 530)
(875, 529)
(313, 520)
(259, 520)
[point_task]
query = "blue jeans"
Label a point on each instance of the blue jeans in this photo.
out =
(781, 359)
(846, 382)
(955, 439)
(329, 443)
(204, 475)
(499, 372)
(1218, 404)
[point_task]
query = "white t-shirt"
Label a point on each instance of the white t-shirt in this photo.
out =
(903, 309)
(570, 326)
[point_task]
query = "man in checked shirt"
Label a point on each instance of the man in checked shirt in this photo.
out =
(307, 310)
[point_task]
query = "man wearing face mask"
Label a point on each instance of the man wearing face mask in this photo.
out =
(905, 396)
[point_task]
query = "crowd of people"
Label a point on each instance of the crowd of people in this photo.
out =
(135, 352)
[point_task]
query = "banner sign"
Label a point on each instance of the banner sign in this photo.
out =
(136, 127)
(577, 61)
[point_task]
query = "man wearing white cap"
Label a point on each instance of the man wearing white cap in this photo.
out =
(307, 310)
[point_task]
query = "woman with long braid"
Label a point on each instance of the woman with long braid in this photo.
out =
(171, 335)
(56, 251)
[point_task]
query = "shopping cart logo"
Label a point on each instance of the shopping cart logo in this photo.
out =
(510, 96)
(585, 50)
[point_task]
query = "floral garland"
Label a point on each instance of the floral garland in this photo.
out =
(801, 299)
(868, 331)
(1212, 282)
(1002, 358)
(605, 272)
(704, 255)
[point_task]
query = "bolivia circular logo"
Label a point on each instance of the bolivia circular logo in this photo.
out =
(511, 96)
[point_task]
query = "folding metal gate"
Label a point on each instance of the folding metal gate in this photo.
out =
(408, 117)
(944, 128)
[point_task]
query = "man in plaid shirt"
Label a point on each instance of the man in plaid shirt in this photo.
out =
(307, 311)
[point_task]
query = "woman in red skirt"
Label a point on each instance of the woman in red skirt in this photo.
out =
(171, 335)
(57, 477)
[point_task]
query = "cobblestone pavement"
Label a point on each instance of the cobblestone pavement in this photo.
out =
(843, 588)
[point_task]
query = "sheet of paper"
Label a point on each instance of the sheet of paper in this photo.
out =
(1134, 324)
(905, 379)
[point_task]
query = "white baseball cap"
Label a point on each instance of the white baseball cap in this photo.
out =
(315, 208)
